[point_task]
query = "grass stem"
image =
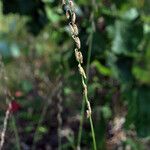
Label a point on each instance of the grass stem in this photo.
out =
(83, 99)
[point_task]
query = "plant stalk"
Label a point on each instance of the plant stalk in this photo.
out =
(83, 100)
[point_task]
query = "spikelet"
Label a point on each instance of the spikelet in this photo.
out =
(75, 28)
(78, 56)
(71, 4)
(77, 41)
(81, 70)
(74, 32)
(73, 20)
(88, 111)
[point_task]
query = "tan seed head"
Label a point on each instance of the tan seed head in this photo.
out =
(71, 3)
(67, 15)
(73, 18)
(81, 70)
(77, 41)
(79, 56)
(76, 32)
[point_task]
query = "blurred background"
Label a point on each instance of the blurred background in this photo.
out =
(39, 74)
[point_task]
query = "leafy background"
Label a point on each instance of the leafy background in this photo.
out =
(38, 54)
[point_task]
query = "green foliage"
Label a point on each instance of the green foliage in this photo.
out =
(138, 110)
(36, 46)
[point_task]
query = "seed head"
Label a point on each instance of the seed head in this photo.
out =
(63, 2)
(74, 29)
(73, 18)
(67, 15)
(79, 56)
(84, 88)
(89, 111)
(71, 3)
(77, 41)
(76, 32)
(81, 70)
(71, 28)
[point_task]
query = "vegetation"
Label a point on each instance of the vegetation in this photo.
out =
(45, 103)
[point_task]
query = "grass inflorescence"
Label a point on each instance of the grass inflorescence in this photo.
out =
(68, 7)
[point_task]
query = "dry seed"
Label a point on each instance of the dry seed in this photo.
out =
(77, 41)
(73, 18)
(71, 28)
(71, 3)
(75, 29)
(79, 56)
(81, 70)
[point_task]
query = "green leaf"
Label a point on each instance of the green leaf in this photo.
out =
(106, 112)
(131, 14)
(42, 129)
(9, 49)
(26, 86)
(15, 51)
(101, 68)
(127, 37)
(52, 16)
(138, 110)
(121, 67)
(141, 74)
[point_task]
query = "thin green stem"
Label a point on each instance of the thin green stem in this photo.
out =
(89, 55)
(79, 58)
(81, 122)
(36, 134)
(91, 122)
(93, 133)
(83, 100)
